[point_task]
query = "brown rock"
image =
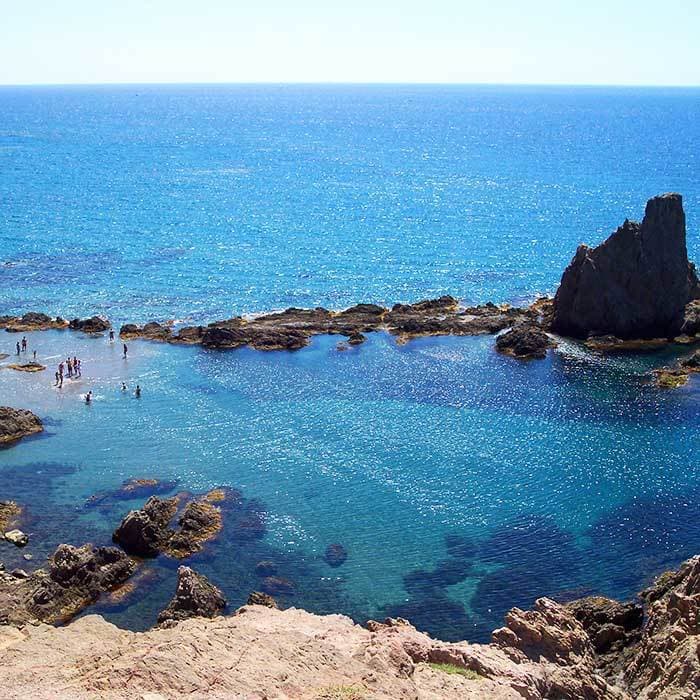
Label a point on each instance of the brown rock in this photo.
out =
(16, 423)
(195, 597)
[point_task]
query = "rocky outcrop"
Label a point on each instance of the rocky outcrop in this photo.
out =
(148, 532)
(665, 663)
(16, 423)
(293, 328)
(31, 321)
(195, 597)
(610, 625)
(75, 577)
(525, 341)
(27, 367)
(636, 284)
(94, 324)
(590, 649)
(10, 513)
(679, 374)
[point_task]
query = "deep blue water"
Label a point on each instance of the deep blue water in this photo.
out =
(460, 482)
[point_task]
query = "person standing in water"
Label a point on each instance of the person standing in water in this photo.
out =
(111, 335)
(57, 377)
(88, 397)
(123, 386)
(34, 356)
(125, 350)
(24, 343)
(137, 393)
(18, 348)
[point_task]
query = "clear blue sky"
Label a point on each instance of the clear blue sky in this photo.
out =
(647, 42)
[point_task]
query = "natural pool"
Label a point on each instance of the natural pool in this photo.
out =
(460, 482)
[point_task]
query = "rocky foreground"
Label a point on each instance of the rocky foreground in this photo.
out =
(592, 649)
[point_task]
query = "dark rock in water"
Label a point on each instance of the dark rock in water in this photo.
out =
(266, 568)
(143, 532)
(335, 555)
(524, 341)
(276, 585)
(16, 423)
(147, 532)
(257, 598)
(76, 577)
(691, 319)
(636, 284)
(258, 337)
(356, 339)
(692, 363)
(609, 624)
(199, 523)
(31, 321)
(151, 331)
(195, 597)
(95, 324)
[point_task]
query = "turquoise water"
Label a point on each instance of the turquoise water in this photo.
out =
(460, 482)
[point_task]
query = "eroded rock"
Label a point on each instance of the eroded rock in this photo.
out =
(195, 597)
(16, 423)
(636, 284)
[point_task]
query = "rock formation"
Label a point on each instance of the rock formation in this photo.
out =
(94, 324)
(16, 423)
(194, 597)
(636, 284)
(591, 649)
(31, 321)
(147, 532)
(524, 341)
(75, 578)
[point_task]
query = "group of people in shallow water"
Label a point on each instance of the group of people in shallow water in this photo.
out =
(72, 368)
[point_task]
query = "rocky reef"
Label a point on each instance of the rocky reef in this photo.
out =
(32, 321)
(16, 423)
(636, 284)
(292, 329)
(591, 649)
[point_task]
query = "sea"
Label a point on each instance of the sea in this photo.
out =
(460, 482)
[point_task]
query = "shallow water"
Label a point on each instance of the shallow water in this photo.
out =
(461, 482)
(546, 468)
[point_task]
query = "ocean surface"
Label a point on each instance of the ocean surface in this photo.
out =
(459, 481)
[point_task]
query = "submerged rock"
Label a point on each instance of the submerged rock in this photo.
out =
(27, 367)
(16, 423)
(636, 284)
(335, 555)
(524, 341)
(131, 489)
(9, 514)
(195, 597)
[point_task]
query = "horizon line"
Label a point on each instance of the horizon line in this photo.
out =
(331, 83)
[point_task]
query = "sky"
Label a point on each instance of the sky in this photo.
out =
(592, 42)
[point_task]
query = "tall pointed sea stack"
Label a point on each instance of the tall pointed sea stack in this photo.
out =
(635, 284)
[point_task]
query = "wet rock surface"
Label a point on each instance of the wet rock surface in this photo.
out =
(16, 423)
(195, 597)
(636, 284)
(524, 341)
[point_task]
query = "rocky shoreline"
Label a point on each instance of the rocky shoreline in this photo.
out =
(592, 648)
